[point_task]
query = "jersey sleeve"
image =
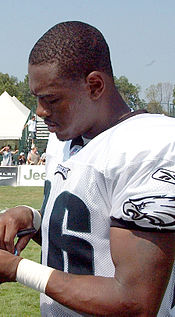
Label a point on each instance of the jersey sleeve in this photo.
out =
(144, 197)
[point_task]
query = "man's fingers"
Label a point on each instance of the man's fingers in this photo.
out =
(9, 237)
(2, 232)
(11, 222)
(22, 242)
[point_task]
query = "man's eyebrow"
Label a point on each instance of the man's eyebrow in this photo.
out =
(41, 96)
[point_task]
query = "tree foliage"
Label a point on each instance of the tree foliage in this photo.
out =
(9, 84)
(18, 89)
(155, 107)
(129, 92)
(174, 95)
(160, 95)
(24, 94)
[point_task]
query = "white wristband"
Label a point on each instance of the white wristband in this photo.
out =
(33, 275)
(36, 217)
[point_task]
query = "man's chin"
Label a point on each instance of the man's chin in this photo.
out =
(62, 138)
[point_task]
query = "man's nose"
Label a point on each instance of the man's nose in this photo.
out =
(43, 110)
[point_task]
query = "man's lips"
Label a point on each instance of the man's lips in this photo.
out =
(52, 126)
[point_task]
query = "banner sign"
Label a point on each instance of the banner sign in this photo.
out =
(31, 175)
(23, 175)
(8, 175)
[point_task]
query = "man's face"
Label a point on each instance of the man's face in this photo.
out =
(65, 105)
(35, 149)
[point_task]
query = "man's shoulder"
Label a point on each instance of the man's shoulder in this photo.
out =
(131, 140)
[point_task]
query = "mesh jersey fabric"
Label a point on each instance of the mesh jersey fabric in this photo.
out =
(110, 180)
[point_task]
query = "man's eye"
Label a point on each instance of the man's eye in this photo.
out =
(53, 101)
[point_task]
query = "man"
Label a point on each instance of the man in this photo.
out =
(7, 155)
(109, 206)
(32, 129)
(33, 156)
(21, 159)
(42, 160)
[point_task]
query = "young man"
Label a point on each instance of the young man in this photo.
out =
(7, 155)
(32, 129)
(33, 156)
(108, 215)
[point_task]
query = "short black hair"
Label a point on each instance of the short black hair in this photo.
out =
(76, 47)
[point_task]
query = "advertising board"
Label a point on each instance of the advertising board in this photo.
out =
(8, 175)
(31, 175)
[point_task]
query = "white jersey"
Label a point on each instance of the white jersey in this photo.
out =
(121, 178)
(7, 158)
(32, 125)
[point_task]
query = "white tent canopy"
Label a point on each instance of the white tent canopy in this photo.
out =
(13, 116)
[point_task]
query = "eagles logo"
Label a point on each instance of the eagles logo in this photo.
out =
(151, 212)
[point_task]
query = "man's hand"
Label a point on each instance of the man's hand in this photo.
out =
(13, 220)
(8, 266)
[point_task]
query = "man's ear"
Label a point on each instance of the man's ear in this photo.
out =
(96, 84)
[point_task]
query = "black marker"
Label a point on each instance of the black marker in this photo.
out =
(22, 233)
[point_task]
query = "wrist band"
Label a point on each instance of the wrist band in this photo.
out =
(33, 275)
(36, 217)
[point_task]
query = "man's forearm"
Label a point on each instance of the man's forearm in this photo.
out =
(97, 296)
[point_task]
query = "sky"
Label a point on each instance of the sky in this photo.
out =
(140, 34)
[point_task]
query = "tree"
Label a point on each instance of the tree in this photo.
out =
(161, 93)
(24, 94)
(155, 107)
(8, 84)
(174, 96)
(20, 89)
(129, 92)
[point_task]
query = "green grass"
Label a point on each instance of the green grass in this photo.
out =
(12, 196)
(17, 300)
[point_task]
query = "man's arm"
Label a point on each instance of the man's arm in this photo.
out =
(25, 125)
(143, 264)
(29, 158)
(14, 152)
(2, 150)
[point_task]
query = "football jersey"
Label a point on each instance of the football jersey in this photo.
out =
(124, 177)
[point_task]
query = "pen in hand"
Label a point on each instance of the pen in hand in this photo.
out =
(22, 233)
